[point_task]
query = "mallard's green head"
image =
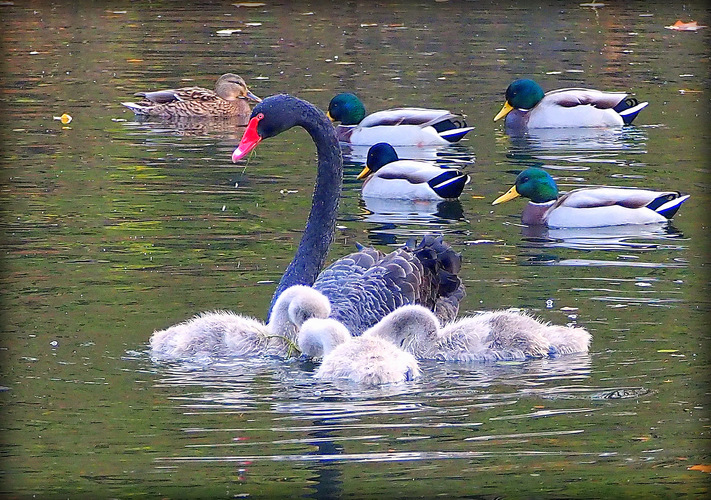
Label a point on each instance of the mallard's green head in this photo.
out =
(521, 94)
(535, 184)
(524, 94)
(379, 154)
(347, 109)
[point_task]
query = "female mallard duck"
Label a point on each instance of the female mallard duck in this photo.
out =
(528, 107)
(367, 360)
(397, 126)
(386, 176)
(224, 333)
(229, 99)
(589, 207)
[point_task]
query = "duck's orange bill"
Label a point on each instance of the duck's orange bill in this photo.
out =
(508, 195)
(250, 139)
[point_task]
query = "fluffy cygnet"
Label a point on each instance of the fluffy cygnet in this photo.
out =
(367, 360)
(224, 333)
(487, 336)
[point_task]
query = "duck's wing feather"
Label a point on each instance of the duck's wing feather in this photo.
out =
(415, 172)
(178, 95)
(572, 97)
(607, 196)
(407, 116)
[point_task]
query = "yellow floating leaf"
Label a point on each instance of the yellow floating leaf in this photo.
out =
(700, 467)
(65, 118)
(477, 197)
(667, 350)
(134, 60)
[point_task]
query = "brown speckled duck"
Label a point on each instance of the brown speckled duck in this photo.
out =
(229, 99)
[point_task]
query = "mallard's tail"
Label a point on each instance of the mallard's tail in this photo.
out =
(629, 108)
(449, 184)
(137, 108)
(452, 130)
(667, 204)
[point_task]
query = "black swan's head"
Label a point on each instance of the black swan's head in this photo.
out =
(273, 116)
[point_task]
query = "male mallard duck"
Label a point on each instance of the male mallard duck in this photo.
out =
(397, 126)
(229, 99)
(528, 107)
(589, 207)
(386, 176)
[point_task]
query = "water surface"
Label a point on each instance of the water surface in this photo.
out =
(114, 228)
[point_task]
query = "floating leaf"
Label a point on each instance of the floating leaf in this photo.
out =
(682, 26)
(667, 350)
(700, 467)
(65, 118)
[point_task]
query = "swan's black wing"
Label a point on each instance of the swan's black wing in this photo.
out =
(365, 286)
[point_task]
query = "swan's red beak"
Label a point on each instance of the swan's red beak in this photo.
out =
(249, 141)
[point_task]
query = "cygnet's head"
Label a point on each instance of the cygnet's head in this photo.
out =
(295, 305)
(413, 328)
(318, 337)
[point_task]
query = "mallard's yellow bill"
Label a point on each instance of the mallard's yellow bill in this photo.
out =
(364, 173)
(330, 117)
(509, 195)
(504, 111)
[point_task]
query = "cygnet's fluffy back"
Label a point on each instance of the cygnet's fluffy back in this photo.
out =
(223, 333)
(507, 335)
(367, 360)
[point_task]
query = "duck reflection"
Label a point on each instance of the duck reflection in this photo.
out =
(574, 145)
(453, 155)
(230, 129)
(389, 211)
(630, 237)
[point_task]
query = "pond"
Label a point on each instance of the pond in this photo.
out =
(115, 228)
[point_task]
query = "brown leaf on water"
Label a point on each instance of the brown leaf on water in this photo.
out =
(700, 467)
(682, 26)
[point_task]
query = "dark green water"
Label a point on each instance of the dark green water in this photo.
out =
(113, 229)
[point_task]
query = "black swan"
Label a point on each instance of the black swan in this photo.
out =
(366, 285)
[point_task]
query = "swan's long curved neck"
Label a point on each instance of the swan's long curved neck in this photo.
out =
(321, 223)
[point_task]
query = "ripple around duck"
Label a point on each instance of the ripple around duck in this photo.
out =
(383, 457)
